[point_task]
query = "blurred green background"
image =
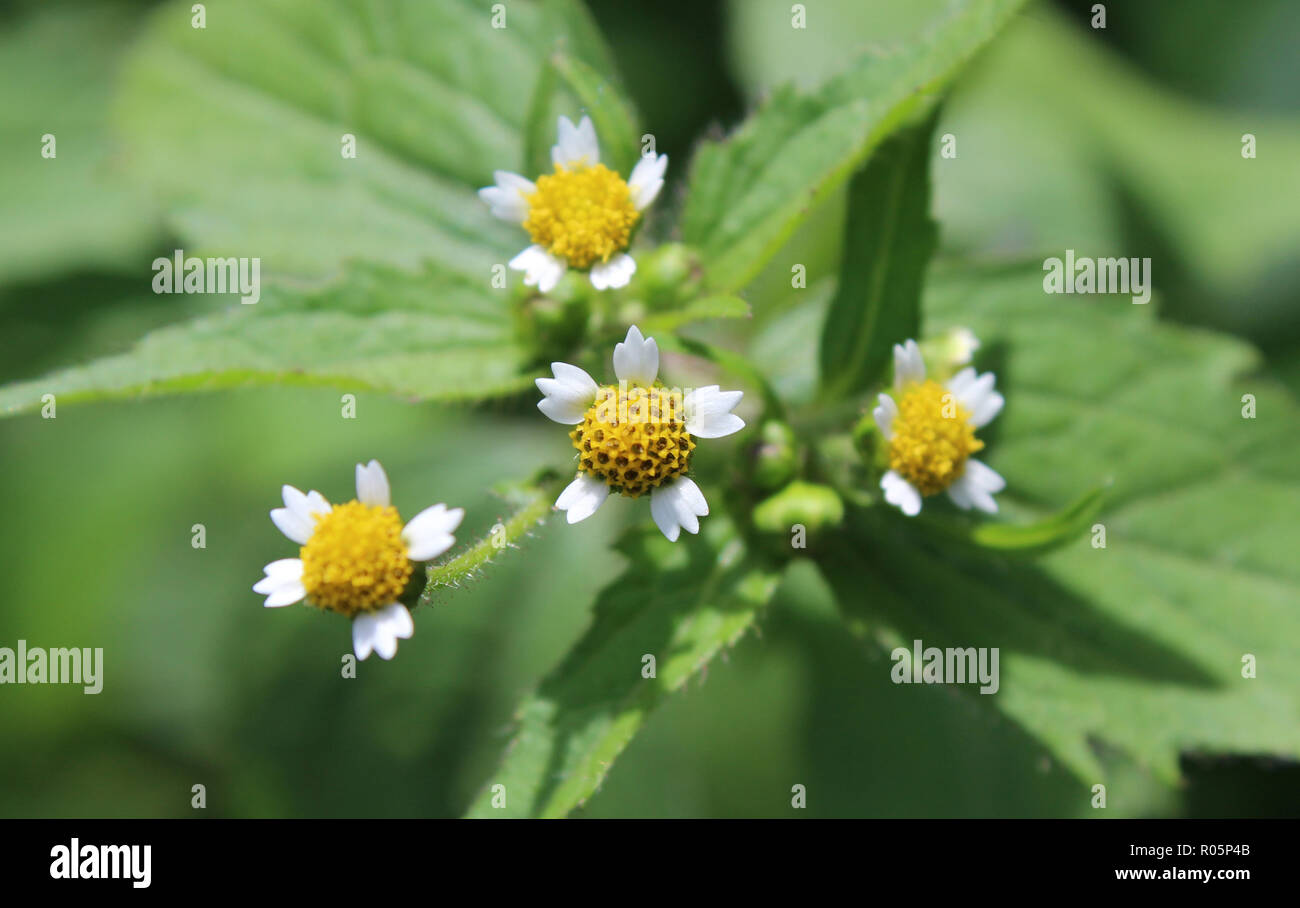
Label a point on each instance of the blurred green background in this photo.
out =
(202, 685)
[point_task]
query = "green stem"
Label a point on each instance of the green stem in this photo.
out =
(532, 501)
(732, 362)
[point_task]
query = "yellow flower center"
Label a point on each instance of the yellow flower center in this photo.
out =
(583, 215)
(634, 441)
(932, 439)
(355, 560)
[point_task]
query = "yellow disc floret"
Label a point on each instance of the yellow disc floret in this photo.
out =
(932, 439)
(634, 441)
(356, 560)
(583, 215)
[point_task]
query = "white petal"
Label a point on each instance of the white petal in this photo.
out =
(708, 412)
(385, 643)
(576, 145)
(647, 179)
(541, 269)
(988, 408)
(960, 495)
(294, 499)
(972, 393)
(985, 476)
(574, 376)
(677, 506)
(663, 509)
(429, 533)
(885, 414)
(282, 584)
(908, 365)
(297, 519)
(962, 380)
(508, 198)
(582, 497)
(980, 483)
(559, 410)
(636, 359)
(295, 526)
(429, 546)
(567, 396)
(690, 503)
(316, 504)
(277, 572)
(365, 628)
(900, 493)
(372, 485)
(393, 623)
(305, 506)
(399, 620)
(286, 594)
(284, 567)
(267, 584)
(615, 273)
(976, 395)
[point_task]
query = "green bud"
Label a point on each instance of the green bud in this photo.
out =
(666, 277)
(557, 321)
(866, 437)
(668, 267)
(948, 353)
(776, 456)
(807, 504)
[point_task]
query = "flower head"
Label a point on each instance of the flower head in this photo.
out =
(636, 437)
(930, 430)
(581, 216)
(356, 558)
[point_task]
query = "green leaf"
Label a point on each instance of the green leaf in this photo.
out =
(239, 127)
(577, 35)
(570, 87)
(719, 305)
(732, 362)
(1138, 645)
(888, 240)
(766, 52)
(1071, 150)
(549, 102)
(1074, 153)
(1065, 527)
(749, 192)
(72, 210)
(531, 502)
(612, 115)
(681, 603)
(427, 336)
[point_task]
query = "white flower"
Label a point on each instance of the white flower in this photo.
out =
(930, 429)
(637, 436)
(356, 558)
(581, 216)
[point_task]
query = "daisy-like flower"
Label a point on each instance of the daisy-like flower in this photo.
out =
(930, 429)
(581, 216)
(356, 558)
(636, 437)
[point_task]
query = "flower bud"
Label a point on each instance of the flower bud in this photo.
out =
(813, 506)
(947, 353)
(775, 455)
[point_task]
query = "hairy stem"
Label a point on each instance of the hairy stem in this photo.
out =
(532, 503)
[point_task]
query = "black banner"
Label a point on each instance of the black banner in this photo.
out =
(333, 857)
